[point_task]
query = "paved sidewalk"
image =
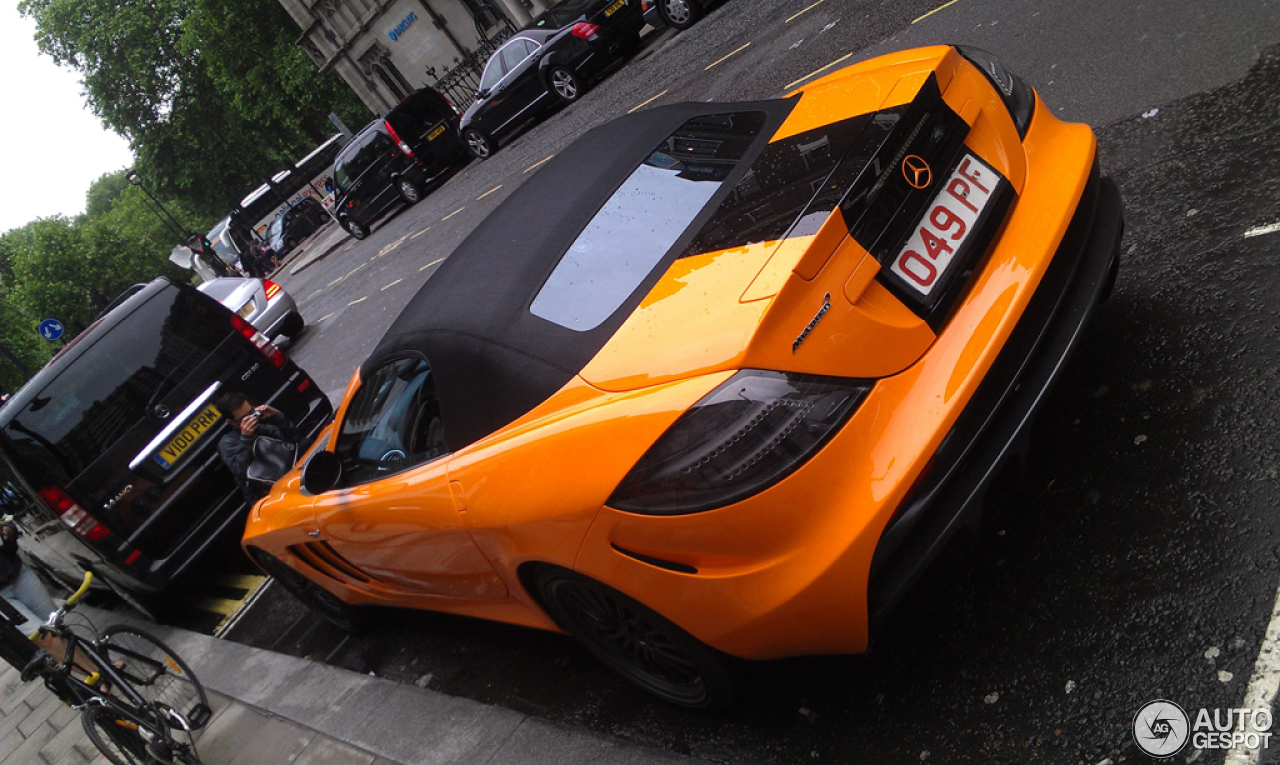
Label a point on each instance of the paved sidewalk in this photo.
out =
(270, 708)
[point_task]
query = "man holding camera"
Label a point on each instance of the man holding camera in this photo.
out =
(236, 445)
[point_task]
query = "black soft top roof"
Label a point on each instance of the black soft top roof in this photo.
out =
(494, 361)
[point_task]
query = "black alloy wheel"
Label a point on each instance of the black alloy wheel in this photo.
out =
(635, 641)
(565, 85)
(478, 143)
(326, 605)
(354, 229)
(680, 14)
(409, 191)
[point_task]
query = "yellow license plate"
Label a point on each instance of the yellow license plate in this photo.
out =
(615, 7)
(434, 134)
(202, 422)
(246, 309)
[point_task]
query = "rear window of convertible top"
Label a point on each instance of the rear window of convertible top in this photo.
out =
(641, 221)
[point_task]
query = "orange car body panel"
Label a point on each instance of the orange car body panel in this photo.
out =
(783, 572)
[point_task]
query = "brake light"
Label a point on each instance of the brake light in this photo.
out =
(259, 340)
(584, 31)
(84, 525)
(398, 141)
(270, 288)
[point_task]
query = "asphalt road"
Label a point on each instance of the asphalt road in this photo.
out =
(1137, 559)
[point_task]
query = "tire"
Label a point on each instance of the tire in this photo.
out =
(409, 191)
(635, 641)
(355, 229)
(155, 672)
(479, 144)
(564, 84)
(321, 602)
(120, 744)
(292, 325)
(290, 243)
(680, 14)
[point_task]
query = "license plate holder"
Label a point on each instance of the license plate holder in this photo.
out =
(946, 230)
(182, 442)
(435, 133)
(614, 8)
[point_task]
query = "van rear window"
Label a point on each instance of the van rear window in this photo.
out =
(108, 388)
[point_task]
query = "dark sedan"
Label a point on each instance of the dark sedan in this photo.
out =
(549, 64)
(295, 224)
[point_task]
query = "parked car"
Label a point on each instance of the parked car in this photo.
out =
(548, 65)
(726, 396)
(295, 224)
(113, 443)
(261, 302)
(396, 159)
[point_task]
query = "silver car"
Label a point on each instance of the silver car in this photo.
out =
(261, 302)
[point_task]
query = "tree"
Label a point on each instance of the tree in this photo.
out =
(212, 94)
(103, 194)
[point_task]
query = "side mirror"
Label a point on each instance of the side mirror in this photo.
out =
(321, 473)
(481, 94)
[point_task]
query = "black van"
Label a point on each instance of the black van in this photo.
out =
(396, 158)
(109, 453)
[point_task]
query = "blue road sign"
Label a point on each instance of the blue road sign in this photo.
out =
(51, 329)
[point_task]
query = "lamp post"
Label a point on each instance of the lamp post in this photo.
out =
(164, 215)
(186, 237)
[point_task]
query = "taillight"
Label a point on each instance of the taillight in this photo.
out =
(84, 525)
(270, 288)
(259, 340)
(584, 31)
(746, 435)
(398, 141)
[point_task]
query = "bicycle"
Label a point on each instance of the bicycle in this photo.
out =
(132, 691)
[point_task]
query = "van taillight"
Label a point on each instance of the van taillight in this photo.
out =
(270, 288)
(399, 142)
(259, 340)
(83, 524)
(583, 30)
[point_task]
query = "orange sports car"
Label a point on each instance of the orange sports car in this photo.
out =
(721, 378)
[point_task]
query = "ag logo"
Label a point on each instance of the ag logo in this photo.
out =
(917, 171)
(1161, 728)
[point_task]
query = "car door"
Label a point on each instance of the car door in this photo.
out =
(523, 81)
(383, 163)
(393, 517)
(509, 95)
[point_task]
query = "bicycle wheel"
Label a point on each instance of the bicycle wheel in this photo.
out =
(155, 672)
(119, 740)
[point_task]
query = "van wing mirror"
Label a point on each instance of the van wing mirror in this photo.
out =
(322, 472)
(482, 93)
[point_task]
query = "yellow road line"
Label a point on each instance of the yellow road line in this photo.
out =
(432, 263)
(935, 10)
(806, 10)
(392, 284)
(548, 159)
(313, 294)
(726, 58)
(241, 580)
(450, 215)
(791, 85)
(643, 104)
(322, 318)
(420, 233)
(357, 300)
(490, 191)
(357, 268)
(390, 247)
(335, 281)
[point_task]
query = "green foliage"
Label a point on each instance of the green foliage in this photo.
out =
(212, 94)
(103, 194)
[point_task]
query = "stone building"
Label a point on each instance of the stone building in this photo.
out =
(384, 49)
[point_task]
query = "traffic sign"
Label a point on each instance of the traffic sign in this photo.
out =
(51, 329)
